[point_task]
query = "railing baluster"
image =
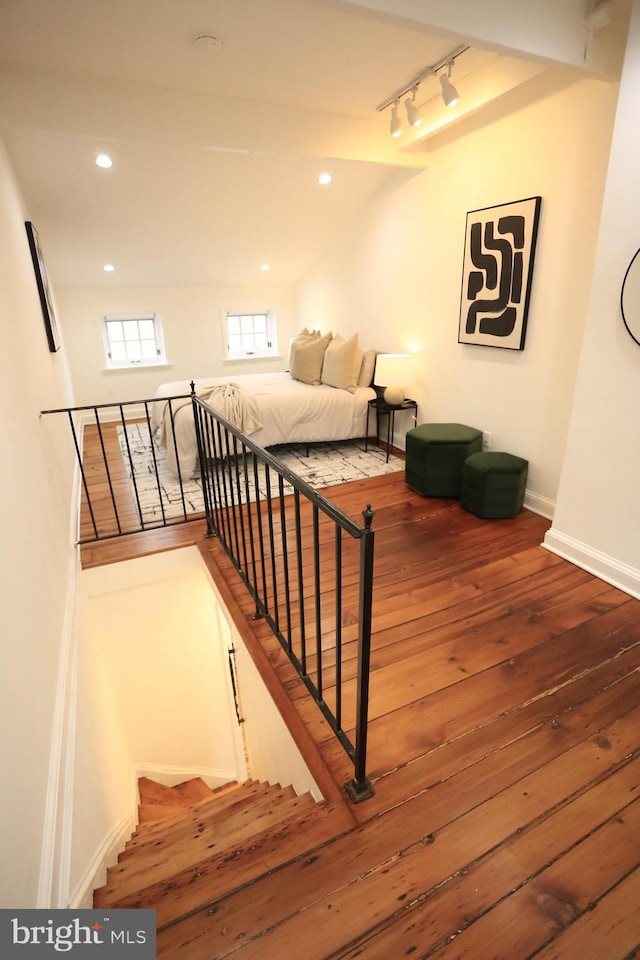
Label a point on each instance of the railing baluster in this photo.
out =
(285, 570)
(82, 473)
(303, 626)
(155, 471)
(338, 624)
(105, 461)
(125, 434)
(272, 550)
(318, 610)
(249, 511)
(256, 479)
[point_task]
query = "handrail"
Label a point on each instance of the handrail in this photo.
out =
(264, 536)
(304, 561)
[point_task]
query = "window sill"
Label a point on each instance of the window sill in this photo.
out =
(138, 367)
(271, 356)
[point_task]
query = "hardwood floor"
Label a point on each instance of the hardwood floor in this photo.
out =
(504, 750)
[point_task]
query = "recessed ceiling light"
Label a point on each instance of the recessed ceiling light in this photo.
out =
(265, 266)
(104, 161)
(325, 178)
(108, 268)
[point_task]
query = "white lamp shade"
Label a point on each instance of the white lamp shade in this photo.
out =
(393, 371)
(449, 92)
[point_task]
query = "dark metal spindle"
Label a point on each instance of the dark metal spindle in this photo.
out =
(105, 461)
(318, 611)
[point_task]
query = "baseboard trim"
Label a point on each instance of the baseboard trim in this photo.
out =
(601, 565)
(96, 873)
(543, 506)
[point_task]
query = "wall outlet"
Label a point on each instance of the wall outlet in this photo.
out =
(486, 440)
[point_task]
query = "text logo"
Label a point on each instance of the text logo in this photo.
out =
(78, 933)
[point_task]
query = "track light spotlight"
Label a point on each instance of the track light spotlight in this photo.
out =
(395, 127)
(449, 92)
(413, 114)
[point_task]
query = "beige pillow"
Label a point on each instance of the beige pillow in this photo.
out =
(299, 339)
(367, 368)
(307, 359)
(342, 363)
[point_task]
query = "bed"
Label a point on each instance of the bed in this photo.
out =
(288, 410)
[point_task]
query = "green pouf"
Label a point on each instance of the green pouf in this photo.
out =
(493, 484)
(435, 453)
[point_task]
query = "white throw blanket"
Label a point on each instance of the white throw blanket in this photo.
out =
(228, 399)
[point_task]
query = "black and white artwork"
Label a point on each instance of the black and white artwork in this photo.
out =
(44, 292)
(499, 251)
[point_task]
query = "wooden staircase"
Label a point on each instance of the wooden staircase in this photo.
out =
(194, 846)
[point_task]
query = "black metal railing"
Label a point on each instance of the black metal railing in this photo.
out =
(127, 486)
(308, 567)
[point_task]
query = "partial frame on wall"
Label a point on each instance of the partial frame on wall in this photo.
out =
(499, 252)
(46, 301)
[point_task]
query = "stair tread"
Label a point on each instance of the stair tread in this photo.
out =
(159, 862)
(206, 824)
(216, 806)
(206, 880)
(193, 789)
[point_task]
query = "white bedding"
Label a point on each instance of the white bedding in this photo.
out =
(290, 412)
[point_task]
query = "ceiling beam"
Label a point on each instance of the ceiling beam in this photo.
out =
(551, 32)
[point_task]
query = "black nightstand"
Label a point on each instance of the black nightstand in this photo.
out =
(388, 410)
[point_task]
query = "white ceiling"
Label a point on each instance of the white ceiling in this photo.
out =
(216, 149)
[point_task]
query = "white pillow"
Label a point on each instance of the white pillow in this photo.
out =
(299, 339)
(342, 362)
(367, 368)
(306, 363)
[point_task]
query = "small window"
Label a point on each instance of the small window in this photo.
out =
(134, 341)
(247, 335)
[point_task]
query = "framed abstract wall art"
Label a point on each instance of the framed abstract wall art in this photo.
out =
(46, 302)
(499, 251)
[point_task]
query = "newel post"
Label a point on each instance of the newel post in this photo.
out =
(360, 787)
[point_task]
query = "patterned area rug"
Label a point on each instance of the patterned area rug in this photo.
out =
(328, 464)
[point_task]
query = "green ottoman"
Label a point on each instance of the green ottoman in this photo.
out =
(435, 453)
(493, 484)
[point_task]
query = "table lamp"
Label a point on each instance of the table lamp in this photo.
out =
(392, 374)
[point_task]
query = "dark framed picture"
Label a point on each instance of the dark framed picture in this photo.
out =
(46, 302)
(499, 251)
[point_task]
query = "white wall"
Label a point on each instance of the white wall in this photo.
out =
(60, 744)
(597, 521)
(103, 813)
(155, 620)
(396, 276)
(272, 754)
(191, 325)
(36, 589)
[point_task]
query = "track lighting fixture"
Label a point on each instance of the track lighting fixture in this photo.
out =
(449, 92)
(395, 127)
(413, 114)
